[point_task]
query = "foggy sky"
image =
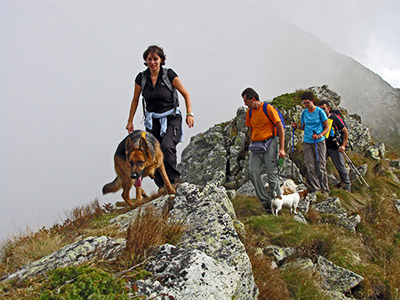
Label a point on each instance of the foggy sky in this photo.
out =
(68, 69)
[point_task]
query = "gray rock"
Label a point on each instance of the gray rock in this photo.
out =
(324, 93)
(397, 205)
(334, 295)
(333, 181)
(210, 261)
(333, 206)
(334, 279)
(361, 169)
(280, 254)
(247, 189)
(189, 274)
(359, 135)
(101, 247)
(376, 151)
(349, 222)
(205, 158)
(304, 205)
(231, 194)
(395, 164)
(337, 278)
(299, 217)
(330, 206)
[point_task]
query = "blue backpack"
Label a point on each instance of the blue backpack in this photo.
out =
(265, 105)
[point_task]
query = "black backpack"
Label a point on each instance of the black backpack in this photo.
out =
(165, 79)
(338, 132)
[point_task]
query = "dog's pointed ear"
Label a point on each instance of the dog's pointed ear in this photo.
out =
(144, 147)
(128, 146)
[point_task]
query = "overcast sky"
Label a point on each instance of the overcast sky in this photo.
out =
(67, 71)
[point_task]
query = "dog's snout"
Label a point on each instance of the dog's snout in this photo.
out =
(134, 175)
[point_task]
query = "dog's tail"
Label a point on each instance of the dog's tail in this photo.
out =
(113, 186)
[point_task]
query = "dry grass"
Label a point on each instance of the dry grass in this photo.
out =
(27, 247)
(269, 282)
(149, 230)
(23, 249)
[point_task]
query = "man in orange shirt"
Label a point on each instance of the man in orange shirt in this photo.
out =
(269, 129)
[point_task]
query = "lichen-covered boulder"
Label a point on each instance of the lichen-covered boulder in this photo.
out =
(188, 274)
(337, 278)
(205, 158)
(333, 279)
(324, 93)
(376, 151)
(333, 206)
(209, 250)
(219, 154)
(74, 254)
(359, 135)
(248, 189)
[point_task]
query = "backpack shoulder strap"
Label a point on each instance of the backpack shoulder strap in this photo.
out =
(142, 85)
(265, 105)
(165, 78)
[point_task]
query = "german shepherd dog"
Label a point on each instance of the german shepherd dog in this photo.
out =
(137, 156)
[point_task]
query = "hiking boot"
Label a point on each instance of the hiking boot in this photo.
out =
(267, 208)
(348, 188)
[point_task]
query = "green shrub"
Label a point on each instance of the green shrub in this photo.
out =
(82, 282)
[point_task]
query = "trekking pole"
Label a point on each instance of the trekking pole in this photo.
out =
(293, 129)
(355, 169)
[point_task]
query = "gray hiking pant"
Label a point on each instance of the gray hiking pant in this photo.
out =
(257, 164)
(338, 161)
(317, 184)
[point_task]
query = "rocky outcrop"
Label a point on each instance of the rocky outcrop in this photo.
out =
(100, 247)
(210, 261)
(333, 279)
(336, 214)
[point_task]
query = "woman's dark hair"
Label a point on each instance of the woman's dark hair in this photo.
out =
(250, 93)
(307, 95)
(157, 50)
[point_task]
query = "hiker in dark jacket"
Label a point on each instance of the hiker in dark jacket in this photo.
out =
(334, 147)
(163, 118)
(314, 122)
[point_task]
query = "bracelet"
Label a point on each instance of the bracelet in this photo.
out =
(190, 114)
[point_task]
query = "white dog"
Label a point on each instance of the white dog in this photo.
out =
(290, 201)
(288, 187)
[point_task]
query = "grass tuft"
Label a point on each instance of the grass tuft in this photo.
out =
(149, 230)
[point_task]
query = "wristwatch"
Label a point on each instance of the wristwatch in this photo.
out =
(190, 114)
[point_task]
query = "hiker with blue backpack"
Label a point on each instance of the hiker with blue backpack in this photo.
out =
(162, 116)
(267, 142)
(314, 122)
